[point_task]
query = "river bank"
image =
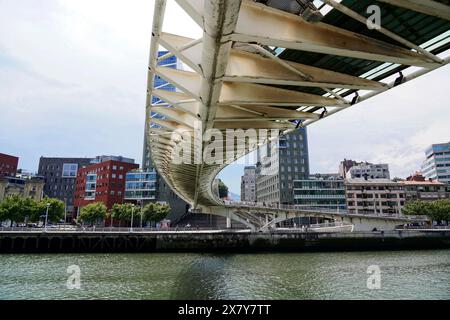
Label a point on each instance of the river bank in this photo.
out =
(218, 241)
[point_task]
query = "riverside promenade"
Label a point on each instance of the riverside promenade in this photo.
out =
(227, 240)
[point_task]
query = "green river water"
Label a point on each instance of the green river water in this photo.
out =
(404, 275)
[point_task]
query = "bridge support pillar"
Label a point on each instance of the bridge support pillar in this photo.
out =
(228, 222)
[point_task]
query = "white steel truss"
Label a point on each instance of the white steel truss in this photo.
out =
(235, 82)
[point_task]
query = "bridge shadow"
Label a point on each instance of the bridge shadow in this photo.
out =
(203, 279)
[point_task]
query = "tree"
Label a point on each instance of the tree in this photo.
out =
(30, 208)
(148, 212)
(438, 210)
(123, 212)
(11, 209)
(155, 212)
(55, 210)
(93, 213)
(416, 208)
(223, 190)
(162, 210)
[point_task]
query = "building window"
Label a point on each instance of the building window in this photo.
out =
(69, 170)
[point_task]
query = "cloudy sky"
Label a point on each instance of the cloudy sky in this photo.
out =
(73, 79)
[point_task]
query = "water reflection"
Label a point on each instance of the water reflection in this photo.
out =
(405, 275)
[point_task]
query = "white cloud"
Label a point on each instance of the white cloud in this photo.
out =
(394, 127)
(73, 75)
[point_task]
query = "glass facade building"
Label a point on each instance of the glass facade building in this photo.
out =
(140, 185)
(162, 192)
(320, 191)
(437, 163)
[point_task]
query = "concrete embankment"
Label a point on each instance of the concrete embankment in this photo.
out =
(219, 241)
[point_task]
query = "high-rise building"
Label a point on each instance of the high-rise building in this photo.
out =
(248, 184)
(320, 191)
(437, 163)
(102, 182)
(280, 163)
(59, 177)
(163, 192)
(8, 165)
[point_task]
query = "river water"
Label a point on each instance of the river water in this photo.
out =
(403, 275)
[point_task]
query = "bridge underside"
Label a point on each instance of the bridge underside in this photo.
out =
(260, 68)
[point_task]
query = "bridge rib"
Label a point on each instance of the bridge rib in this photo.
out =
(236, 81)
(432, 8)
(244, 66)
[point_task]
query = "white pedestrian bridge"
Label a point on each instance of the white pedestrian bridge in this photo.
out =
(274, 66)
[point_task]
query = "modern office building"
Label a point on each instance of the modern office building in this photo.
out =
(437, 163)
(374, 196)
(417, 187)
(369, 170)
(280, 163)
(8, 165)
(59, 177)
(140, 186)
(248, 184)
(163, 192)
(323, 191)
(102, 182)
(27, 187)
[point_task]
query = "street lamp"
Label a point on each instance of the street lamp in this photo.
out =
(46, 217)
(65, 212)
(141, 202)
(132, 215)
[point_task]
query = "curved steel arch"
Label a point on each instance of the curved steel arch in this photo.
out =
(236, 81)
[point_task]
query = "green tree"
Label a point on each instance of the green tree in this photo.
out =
(12, 209)
(162, 210)
(223, 190)
(148, 211)
(440, 210)
(55, 210)
(155, 212)
(123, 212)
(417, 208)
(30, 208)
(93, 213)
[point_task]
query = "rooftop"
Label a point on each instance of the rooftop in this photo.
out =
(370, 181)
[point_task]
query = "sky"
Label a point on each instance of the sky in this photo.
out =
(73, 80)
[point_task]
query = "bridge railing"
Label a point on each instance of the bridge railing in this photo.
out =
(299, 208)
(109, 229)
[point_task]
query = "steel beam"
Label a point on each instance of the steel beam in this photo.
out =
(264, 25)
(432, 8)
(256, 94)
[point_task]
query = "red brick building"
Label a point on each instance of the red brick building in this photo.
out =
(101, 182)
(8, 165)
